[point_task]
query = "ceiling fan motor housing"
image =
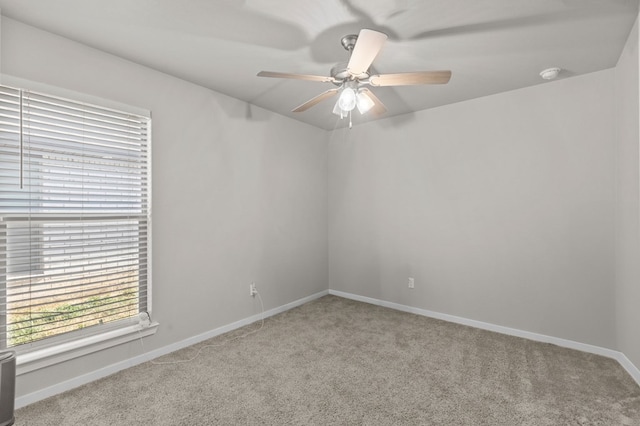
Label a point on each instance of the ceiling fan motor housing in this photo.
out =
(340, 74)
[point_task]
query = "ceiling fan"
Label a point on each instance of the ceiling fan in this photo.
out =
(353, 77)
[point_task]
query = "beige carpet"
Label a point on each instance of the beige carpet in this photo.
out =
(336, 361)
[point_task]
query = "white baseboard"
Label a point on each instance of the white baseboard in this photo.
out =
(628, 365)
(114, 368)
(584, 347)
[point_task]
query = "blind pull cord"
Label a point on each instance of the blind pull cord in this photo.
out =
(21, 146)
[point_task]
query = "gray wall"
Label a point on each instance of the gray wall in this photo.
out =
(500, 207)
(627, 201)
(239, 194)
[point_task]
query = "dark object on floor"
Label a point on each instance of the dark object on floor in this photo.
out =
(7, 387)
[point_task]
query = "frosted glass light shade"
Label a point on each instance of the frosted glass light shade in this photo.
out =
(347, 99)
(364, 102)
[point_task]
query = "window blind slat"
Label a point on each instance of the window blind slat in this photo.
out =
(47, 116)
(24, 294)
(70, 295)
(89, 112)
(111, 274)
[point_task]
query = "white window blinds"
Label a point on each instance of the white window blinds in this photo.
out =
(74, 216)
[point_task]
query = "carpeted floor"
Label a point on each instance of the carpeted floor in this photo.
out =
(334, 361)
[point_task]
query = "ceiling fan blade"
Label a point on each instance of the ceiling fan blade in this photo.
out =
(365, 50)
(274, 74)
(378, 107)
(313, 101)
(411, 78)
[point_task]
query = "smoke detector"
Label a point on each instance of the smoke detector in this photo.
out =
(550, 73)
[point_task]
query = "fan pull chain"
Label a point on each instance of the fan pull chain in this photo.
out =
(350, 123)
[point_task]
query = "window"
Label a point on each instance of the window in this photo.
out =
(74, 219)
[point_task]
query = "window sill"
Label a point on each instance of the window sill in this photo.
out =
(45, 357)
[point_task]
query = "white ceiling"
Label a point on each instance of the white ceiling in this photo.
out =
(490, 46)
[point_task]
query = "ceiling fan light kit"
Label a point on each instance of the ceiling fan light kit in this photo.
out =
(353, 77)
(349, 99)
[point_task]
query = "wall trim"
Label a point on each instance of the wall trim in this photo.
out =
(629, 366)
(633, 371)
(122, 365)
(65, 351)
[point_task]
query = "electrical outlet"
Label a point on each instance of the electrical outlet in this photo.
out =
(252, 289)
(412, 282)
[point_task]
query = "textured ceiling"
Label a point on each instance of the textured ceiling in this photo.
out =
(490, 46)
